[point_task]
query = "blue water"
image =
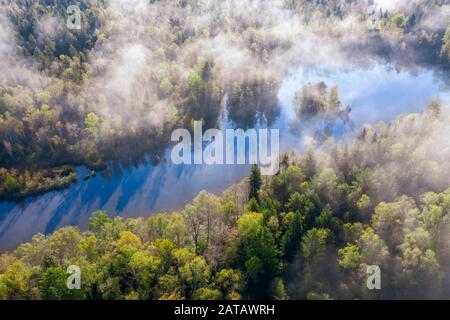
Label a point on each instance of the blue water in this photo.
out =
(376, 94)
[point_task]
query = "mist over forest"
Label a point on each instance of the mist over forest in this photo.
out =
(111, 93)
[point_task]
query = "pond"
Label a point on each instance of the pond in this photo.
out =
(378, 93)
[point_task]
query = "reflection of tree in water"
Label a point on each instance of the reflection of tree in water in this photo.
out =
(253, 101)
(319, 106)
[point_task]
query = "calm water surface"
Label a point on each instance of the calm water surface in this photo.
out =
(376, 94)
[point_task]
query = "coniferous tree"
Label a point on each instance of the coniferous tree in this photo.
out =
(255, 182)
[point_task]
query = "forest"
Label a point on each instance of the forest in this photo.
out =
(113, 92)
(307, 233)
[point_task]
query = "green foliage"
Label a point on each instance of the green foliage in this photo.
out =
(91, 122)
(11, 184)
(400, 20)
(15, 184)
(257, 253)
(316, 99)
(45, 122)
(194, 80)
(315, 242)
(310, 236)
(309, 232)
(294, 226)
(98, 220)
(349, 257)
(230, 282)
(255, 182)
(14, 282)
(52, 285)
(446, 44)
(207, 294)
(158, 258)
(43, 97)
(166, 86)
(278, 289)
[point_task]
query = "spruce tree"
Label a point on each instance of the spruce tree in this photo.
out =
(255, 182)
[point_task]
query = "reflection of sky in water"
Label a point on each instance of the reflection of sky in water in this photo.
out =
(377, 94)
(374, 95)
(133, 192)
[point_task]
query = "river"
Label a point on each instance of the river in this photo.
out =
(375, 94)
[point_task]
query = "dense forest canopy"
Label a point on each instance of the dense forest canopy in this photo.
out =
(308, 232)
(116, 88)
